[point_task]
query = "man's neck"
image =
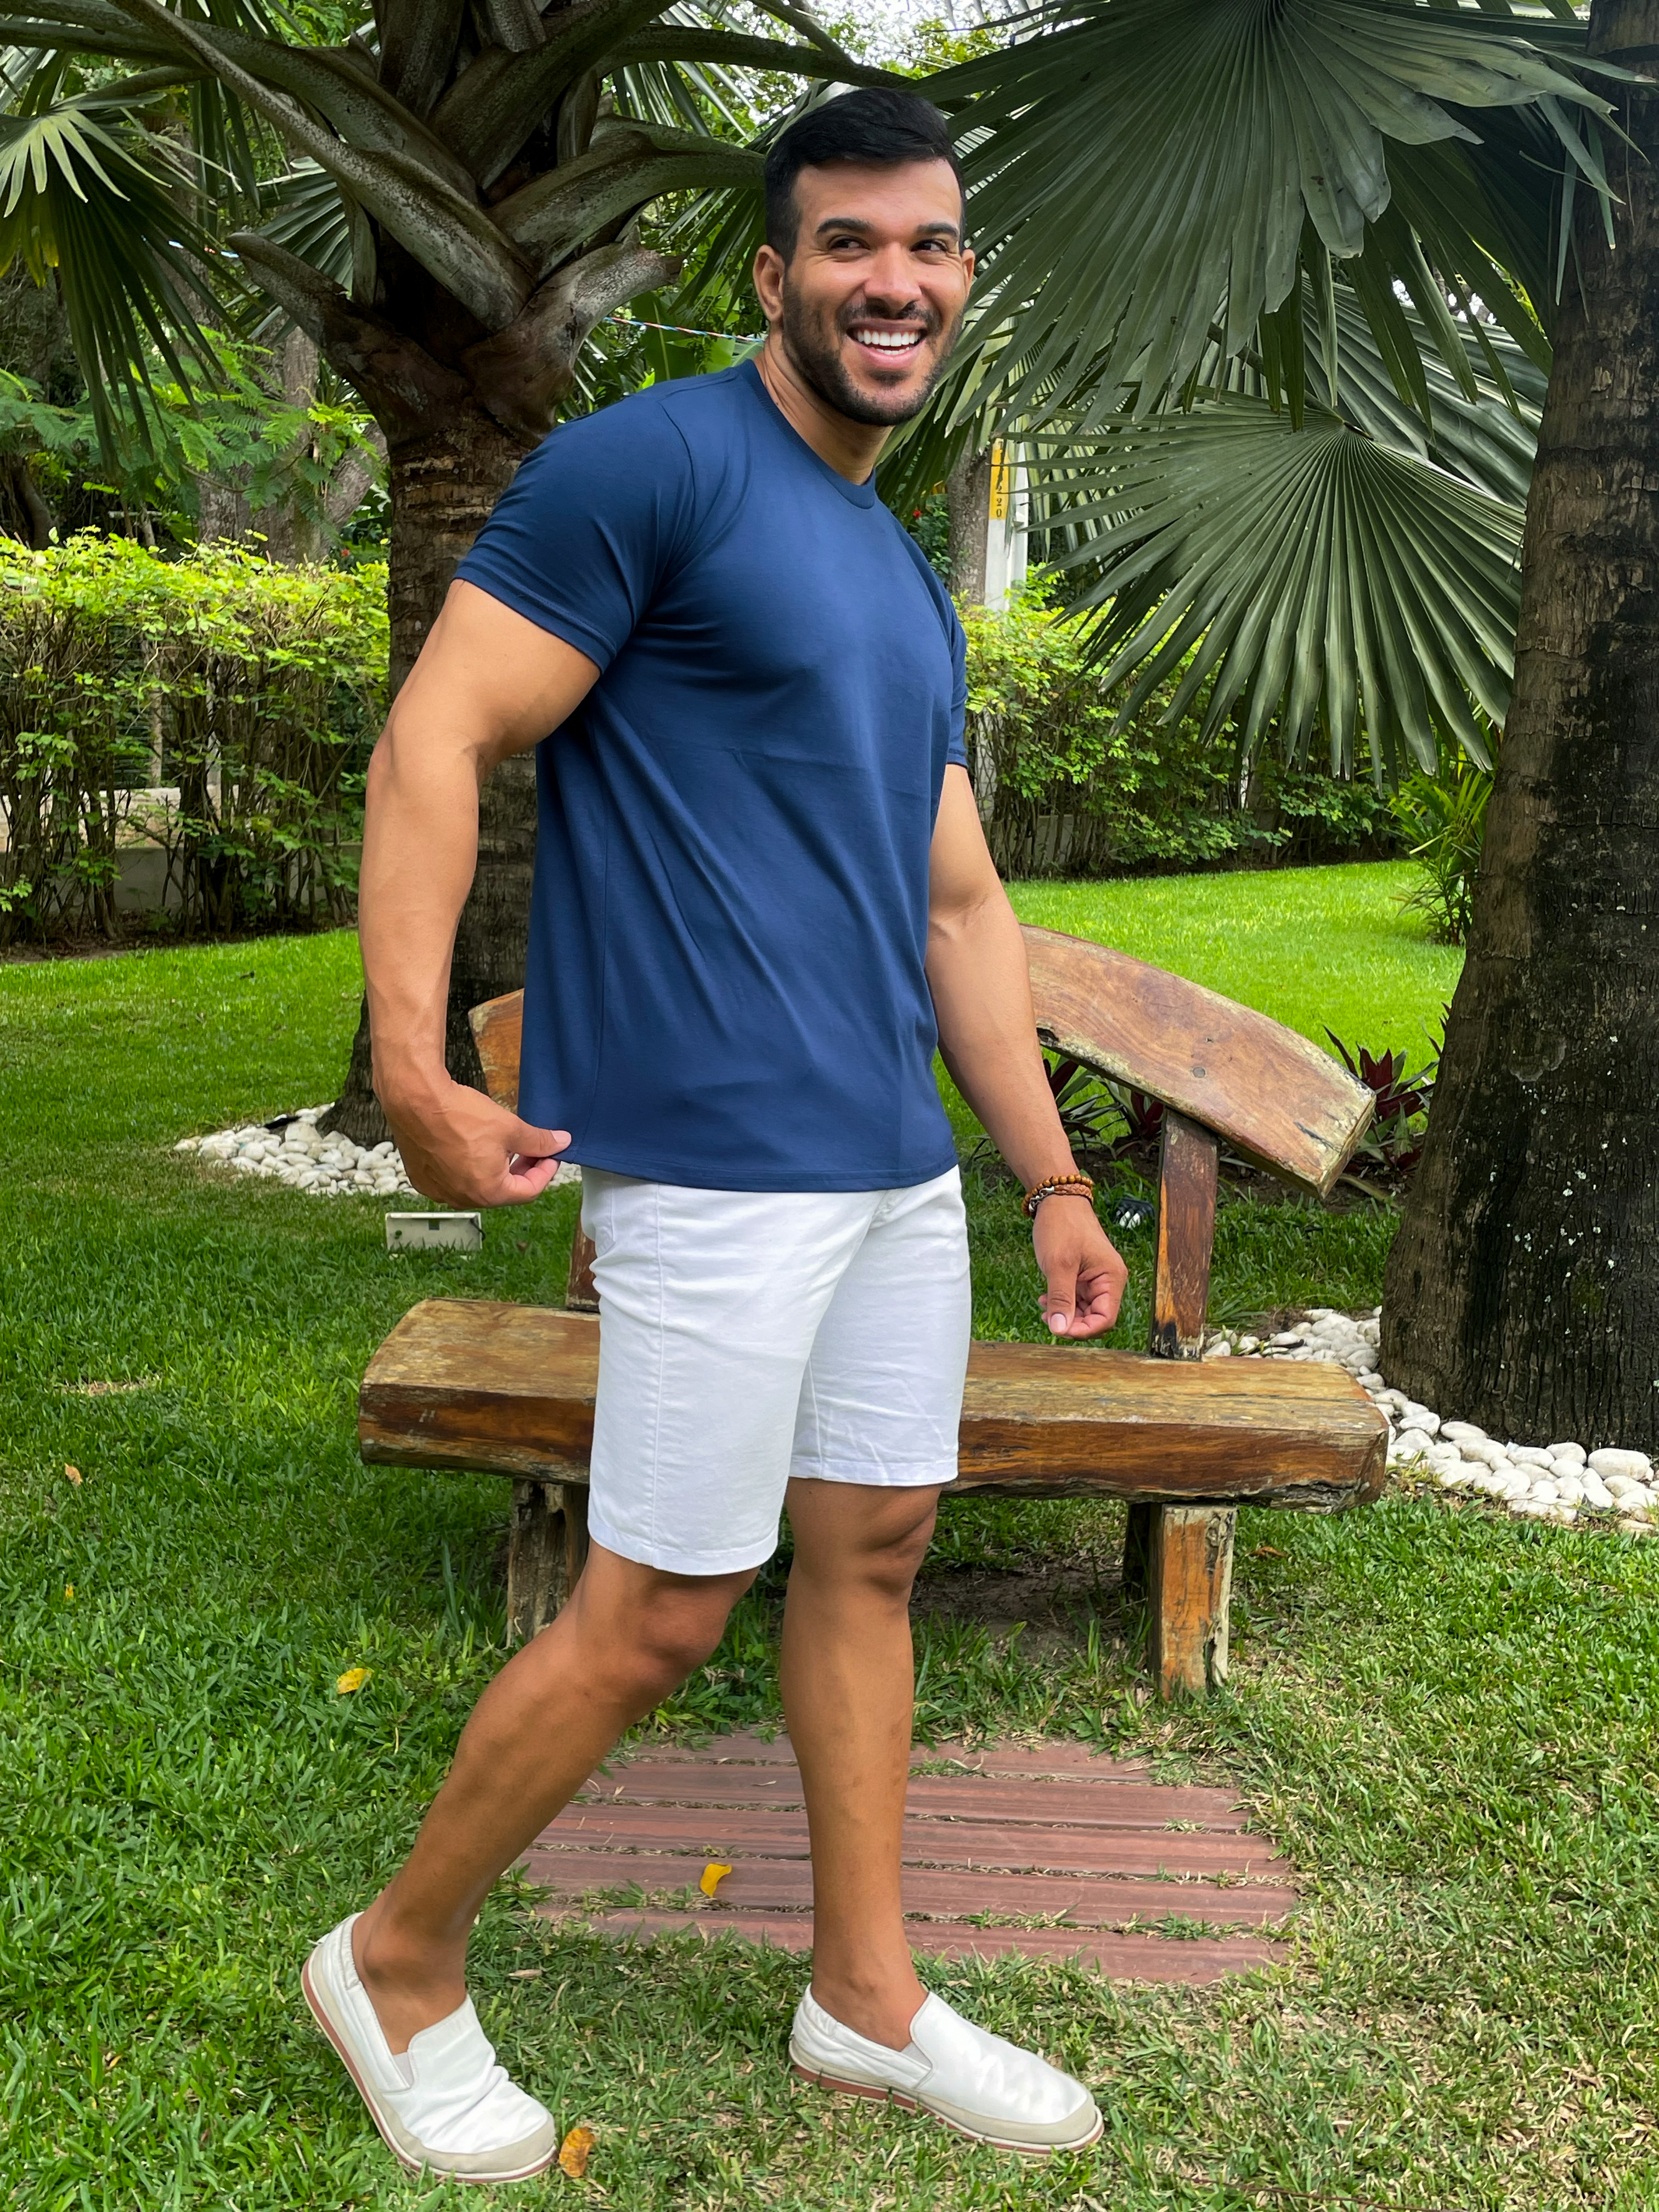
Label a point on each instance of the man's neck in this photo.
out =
(850, 448)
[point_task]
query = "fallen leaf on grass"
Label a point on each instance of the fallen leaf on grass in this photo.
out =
(68, 1589)
(526, 1974)
(1267, 1551)
(353, 1678)
(713, 1875)
(575, 2151)
(72, 1473)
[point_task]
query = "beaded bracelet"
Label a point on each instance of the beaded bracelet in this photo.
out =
(1071, 1186)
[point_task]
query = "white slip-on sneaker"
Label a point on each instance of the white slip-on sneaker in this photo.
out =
(444, 2103)
(974, 2081)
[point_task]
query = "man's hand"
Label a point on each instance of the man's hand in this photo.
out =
(461, 1148)
(1084, 1276)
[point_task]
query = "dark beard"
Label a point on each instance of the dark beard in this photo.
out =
(820, 364)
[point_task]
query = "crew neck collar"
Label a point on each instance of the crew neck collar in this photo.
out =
(855, 494)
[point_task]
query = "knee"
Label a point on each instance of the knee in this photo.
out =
(892, 1564)
(882, 1560)
(665, 1651)
(669, 1636)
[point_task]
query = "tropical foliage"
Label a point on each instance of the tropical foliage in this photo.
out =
(1442, 818)
(217, 710)
(1267, 285)
(1268, 289)
(1070, 785)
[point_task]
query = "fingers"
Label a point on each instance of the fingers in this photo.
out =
(526, 1179)
(532, 1144)
(1060, 1302)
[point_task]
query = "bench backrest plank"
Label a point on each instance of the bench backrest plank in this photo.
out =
(1267, 1091)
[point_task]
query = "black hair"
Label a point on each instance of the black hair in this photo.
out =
(881, 127)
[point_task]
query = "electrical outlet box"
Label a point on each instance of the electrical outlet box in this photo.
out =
(434, 1232)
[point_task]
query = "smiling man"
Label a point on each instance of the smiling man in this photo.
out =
(762, 896)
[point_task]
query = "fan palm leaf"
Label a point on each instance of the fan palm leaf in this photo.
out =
(1142, 170)
(1313, 573)
(79, 196)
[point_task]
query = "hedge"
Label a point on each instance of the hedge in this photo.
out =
(1064, 792)
(221, 707)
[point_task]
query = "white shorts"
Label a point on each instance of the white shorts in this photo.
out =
(746, 1337)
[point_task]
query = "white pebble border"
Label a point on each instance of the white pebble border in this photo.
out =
(1558, 1482)
(327, 1167)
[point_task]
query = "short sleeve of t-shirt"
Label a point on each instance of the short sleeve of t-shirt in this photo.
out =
(584, 535)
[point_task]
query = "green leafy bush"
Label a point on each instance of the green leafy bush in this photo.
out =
(1444, 818)
(1064, 792)
(220, 709)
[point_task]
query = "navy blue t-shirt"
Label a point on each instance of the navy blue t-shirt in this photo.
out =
(724, 984)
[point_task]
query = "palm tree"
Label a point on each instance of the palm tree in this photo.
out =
(460, 210)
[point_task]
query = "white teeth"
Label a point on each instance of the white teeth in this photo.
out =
(888, 341)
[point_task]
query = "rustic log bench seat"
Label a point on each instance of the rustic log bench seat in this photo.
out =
(506, 1389)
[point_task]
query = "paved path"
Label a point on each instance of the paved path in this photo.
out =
(1145, 1880)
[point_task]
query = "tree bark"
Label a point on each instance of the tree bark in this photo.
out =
(1522, 1291)
(968, 501)
(444, 485)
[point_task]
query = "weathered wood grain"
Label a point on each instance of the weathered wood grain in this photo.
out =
(1191, 1590)
(1180, 1557)
(1272, 1095)
(509, 1390)
(547, 1550)
(498, 1032)
(1188, 1169)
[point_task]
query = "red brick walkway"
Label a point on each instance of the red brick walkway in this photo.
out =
(1088, 1845)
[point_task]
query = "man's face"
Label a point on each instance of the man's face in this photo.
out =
(871, 301)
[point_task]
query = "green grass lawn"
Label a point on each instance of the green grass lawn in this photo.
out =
(1447, 1719)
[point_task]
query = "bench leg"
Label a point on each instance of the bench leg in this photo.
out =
(1190, 1581)
(1138, 1550)
(545, 1552)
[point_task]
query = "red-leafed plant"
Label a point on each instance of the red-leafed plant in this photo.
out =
(1393, 1143)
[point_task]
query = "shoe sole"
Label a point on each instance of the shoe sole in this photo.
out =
(868, 2089)
(410, 2165)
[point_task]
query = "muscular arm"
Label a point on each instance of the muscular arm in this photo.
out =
(488, 684)
(981, 990)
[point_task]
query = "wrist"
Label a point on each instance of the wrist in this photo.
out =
(409, 1084)
(1073, 1184)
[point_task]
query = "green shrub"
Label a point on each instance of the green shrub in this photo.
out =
(220, 707)
(1063, 792)
(1443, 818)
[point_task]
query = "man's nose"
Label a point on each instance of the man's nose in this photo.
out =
(890, 283)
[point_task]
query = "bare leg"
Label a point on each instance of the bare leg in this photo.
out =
(628, 1637)
(847, 1679)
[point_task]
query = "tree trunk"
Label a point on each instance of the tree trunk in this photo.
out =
(968, 501)
(444, 485)
(1522, 1291)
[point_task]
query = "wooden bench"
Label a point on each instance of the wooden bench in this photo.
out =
(506, 1389)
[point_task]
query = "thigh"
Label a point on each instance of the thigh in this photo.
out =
(708, 1305)
(881, 1400)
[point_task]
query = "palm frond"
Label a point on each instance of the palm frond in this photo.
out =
(1312, 573)
(1142, 169)
(81, 194)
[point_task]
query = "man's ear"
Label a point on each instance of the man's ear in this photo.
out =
(768, 273)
